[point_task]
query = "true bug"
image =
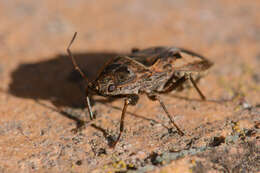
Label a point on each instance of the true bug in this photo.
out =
(150, 71)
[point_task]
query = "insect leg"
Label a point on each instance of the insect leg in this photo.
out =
(91, 116)
(156, 97)
(131, 100)
(127, 102)
(173, 85)
(197, 88)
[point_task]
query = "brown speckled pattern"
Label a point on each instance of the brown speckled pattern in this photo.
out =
(41, 100)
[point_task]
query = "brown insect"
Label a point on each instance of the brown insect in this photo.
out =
(150, 71)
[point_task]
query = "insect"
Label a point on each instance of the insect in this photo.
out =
(151, 71)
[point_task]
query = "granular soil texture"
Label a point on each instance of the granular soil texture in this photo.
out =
(42, 126)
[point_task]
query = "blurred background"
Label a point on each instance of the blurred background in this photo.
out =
(38, 32)
(34, 66)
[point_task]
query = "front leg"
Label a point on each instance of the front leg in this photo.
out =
(91, 115)
(130, 100)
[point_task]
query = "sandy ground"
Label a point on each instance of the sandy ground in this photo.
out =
(41, 98)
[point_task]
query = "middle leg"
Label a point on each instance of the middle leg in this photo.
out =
(156, 97)
(129, 100)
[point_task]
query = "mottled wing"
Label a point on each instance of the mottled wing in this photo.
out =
(177, 58)
(191, 61)
(150, 56)
(197, 66)
(122, 70)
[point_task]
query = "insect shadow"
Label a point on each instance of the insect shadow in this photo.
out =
(55, 80)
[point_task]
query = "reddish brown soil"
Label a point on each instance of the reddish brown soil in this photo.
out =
(41, 99)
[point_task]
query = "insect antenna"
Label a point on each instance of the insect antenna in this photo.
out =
(76, 67)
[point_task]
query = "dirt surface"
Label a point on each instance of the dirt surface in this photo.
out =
(41, 98)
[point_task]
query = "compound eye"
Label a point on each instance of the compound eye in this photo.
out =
(111, 88)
